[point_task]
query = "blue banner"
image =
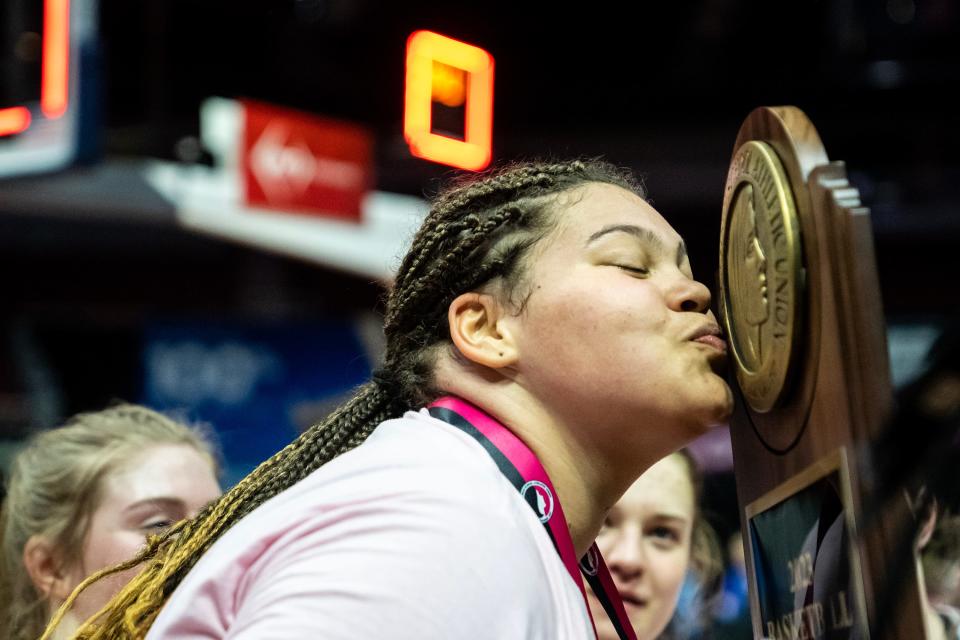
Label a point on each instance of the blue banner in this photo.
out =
(258, 386)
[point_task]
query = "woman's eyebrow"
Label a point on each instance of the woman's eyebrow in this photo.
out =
(161, 502)
(661, 518)
(642, 233)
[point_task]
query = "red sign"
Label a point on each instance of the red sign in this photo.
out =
(299, 162)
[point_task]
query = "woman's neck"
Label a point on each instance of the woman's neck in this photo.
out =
(587, 484)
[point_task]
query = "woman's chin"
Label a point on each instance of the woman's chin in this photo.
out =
(716, 406)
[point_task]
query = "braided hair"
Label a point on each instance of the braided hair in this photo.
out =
(478, 230)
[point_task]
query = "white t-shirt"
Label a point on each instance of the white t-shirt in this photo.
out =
(415, 534)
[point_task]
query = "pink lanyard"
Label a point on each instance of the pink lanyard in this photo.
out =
(520, 466)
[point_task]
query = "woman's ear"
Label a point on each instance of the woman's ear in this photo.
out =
(44, 566)
(481, 331)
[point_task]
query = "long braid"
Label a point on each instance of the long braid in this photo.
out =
(474, 233)
(502, 188)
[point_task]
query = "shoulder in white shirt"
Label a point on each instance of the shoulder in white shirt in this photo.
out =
(415, 534)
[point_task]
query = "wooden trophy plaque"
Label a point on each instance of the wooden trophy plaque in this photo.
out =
(800, 303)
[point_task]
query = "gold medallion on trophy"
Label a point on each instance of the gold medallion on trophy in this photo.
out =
(760, 274)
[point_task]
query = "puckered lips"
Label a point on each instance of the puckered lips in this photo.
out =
(709, 334)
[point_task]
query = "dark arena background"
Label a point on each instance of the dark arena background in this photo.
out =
(138, 263)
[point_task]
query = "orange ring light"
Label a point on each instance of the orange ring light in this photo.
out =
(56, 57)
(14, 120)
(55, 70)
(474, 151)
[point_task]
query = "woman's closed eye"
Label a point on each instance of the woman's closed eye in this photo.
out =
(633, 269)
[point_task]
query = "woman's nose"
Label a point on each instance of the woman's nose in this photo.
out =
(626, 557)
(687, 294)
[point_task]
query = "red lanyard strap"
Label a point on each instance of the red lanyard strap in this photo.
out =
(520, 466)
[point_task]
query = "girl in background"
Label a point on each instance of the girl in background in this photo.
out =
(86, 496)
(654, 540)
